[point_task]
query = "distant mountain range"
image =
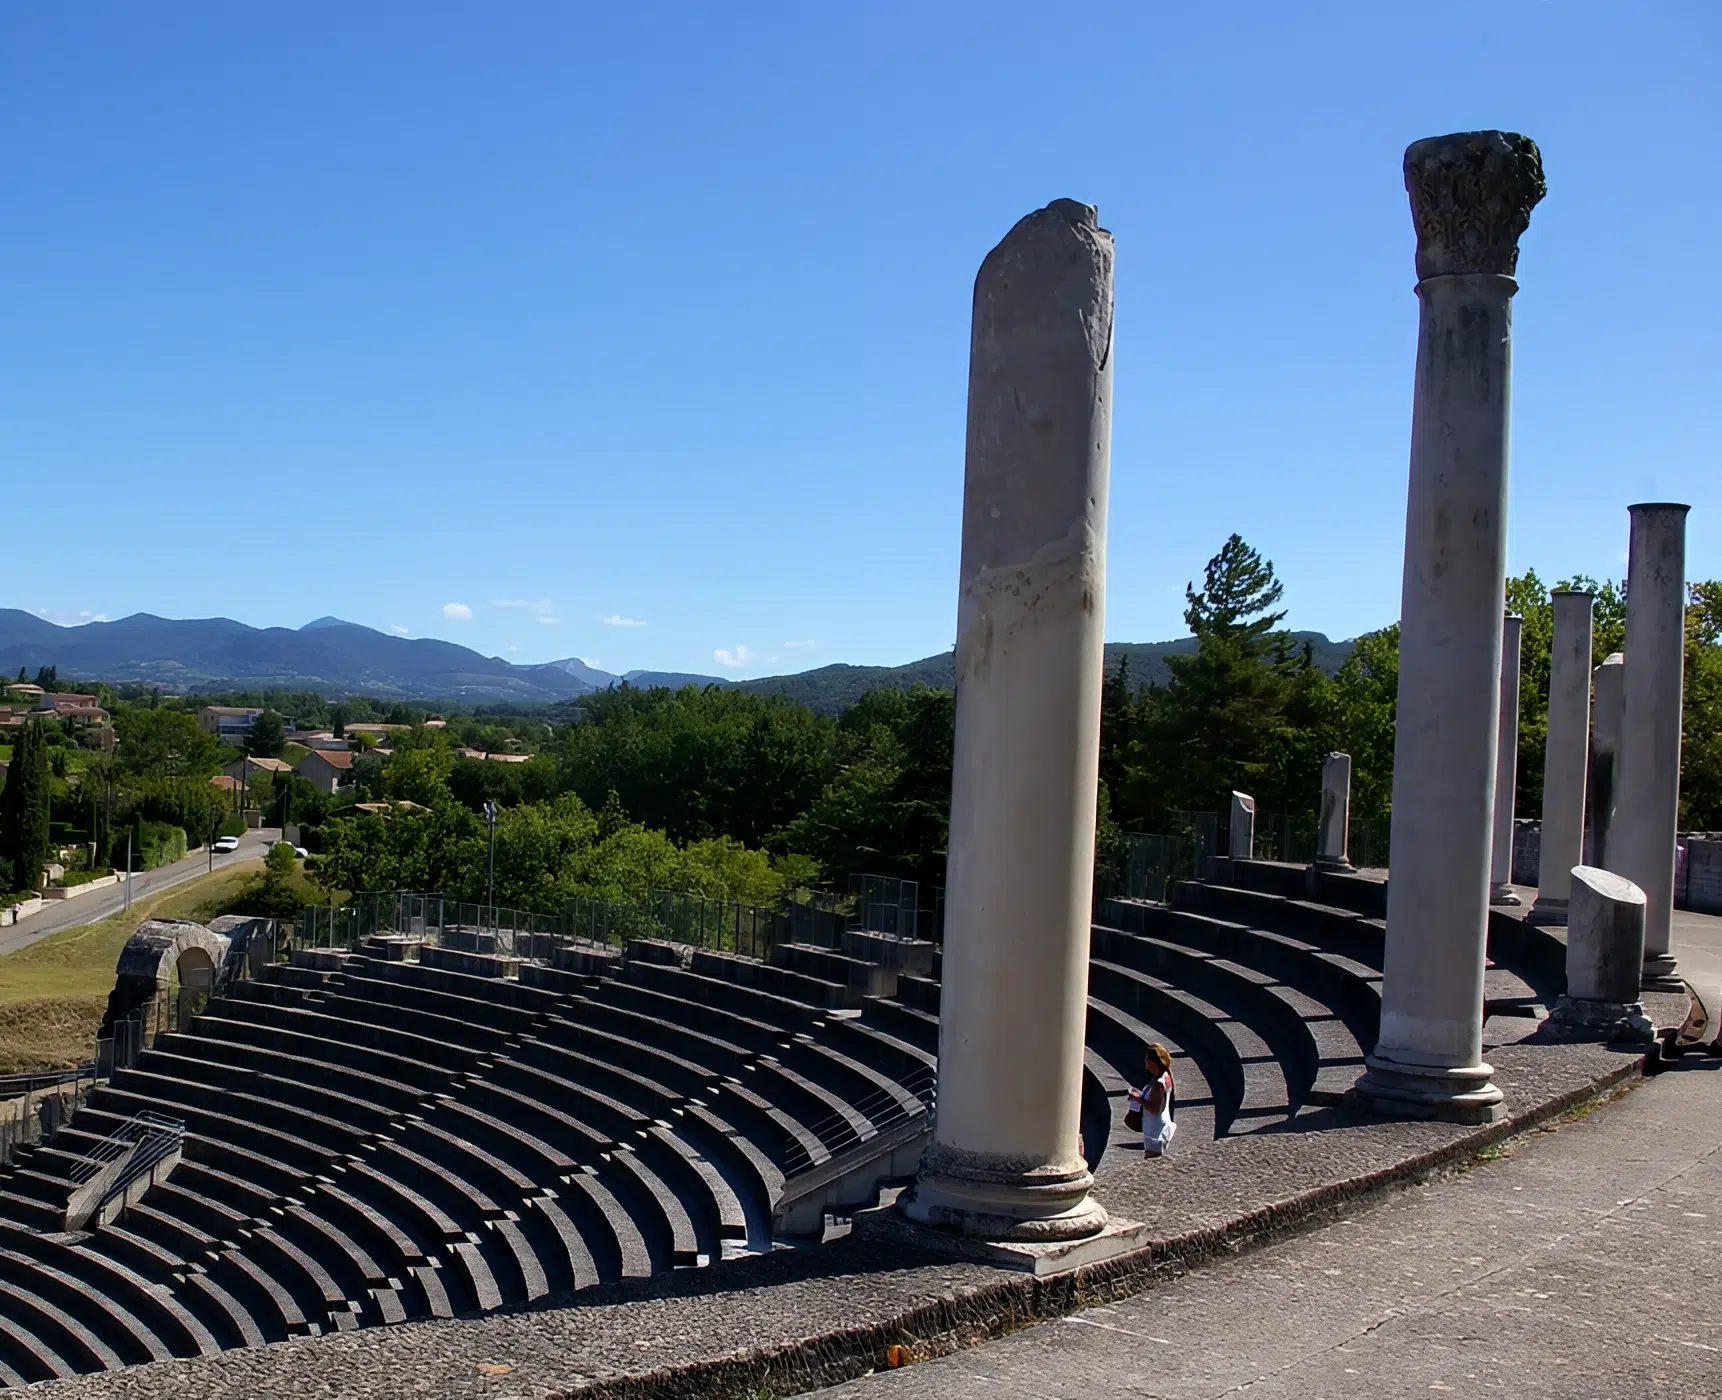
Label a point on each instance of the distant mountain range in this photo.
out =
(343, 658)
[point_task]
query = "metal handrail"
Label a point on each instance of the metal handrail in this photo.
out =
(144, 1128)
(151, 1151)
(921, 1085)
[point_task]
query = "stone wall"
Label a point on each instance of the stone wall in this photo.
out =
(1698, 878)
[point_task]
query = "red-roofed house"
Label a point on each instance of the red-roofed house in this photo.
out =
(329, 769)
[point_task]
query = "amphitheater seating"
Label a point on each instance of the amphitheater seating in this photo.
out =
(375, 1137)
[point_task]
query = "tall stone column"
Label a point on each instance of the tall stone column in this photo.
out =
(1566, 757)
(1641, 843)
(1608, 708)
(1004, 1162)
(1333, 848)
(1506, 764)
(1471, 197)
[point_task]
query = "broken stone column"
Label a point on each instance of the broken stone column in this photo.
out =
(1471, 198)
(1605, 956)
(1004, 1163)
(1607, 708)
(1506, 764)
(1241, 834)
(1566, 755)
(1333, 849)
(1646, 809)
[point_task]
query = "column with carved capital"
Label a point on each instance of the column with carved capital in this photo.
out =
(1471, 199)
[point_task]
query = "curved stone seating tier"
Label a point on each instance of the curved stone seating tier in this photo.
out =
(371, 1141)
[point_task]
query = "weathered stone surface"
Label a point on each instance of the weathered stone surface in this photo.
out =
(1241, 833)
(1605, 953)
(1641, 839)
(1471, 195)
(1333, 850)
(1005, 1159)
(1566, 755)
(1506, 764)
(1471, 199)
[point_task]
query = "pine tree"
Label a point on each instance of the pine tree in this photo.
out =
(1228, 716)
(24, 844)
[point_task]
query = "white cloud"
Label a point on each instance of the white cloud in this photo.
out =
(617, 620)
(801, 644)
(545, 617)
(457, 612)
(741, 656)
(398, 630)
(60, 617)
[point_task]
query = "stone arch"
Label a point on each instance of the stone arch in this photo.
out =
(149, 959)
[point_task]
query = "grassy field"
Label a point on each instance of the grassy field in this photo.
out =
(53, 993)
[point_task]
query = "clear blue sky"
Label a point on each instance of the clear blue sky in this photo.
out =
(641, 332)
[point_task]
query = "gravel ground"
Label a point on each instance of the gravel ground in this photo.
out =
(1580, 1265)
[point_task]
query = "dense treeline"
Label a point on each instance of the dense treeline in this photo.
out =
(737, 795)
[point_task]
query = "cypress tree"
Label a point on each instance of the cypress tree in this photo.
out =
(24, 844)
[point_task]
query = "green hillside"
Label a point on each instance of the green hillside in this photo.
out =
(830, 688)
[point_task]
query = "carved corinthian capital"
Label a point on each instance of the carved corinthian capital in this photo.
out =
(1471, 197)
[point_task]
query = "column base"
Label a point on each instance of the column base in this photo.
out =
(976, 1197)
(1547, 912)
(1503, 894)
(1335, 865)
(1661, 974)
(1453, 1094)
(1116, 1237)
(1614, 1021)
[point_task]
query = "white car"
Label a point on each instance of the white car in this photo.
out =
(225, 844)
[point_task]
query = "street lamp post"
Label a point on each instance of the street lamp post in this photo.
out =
(490, 870)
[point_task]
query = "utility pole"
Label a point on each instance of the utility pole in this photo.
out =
(128, 871)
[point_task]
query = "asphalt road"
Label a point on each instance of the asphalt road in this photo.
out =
(91, 907)
(1585, 1263)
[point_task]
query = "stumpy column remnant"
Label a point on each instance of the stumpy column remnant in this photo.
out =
(1333, 851)
(1566, 756)
(1641, 843)
(1605, 953)
(1241, 834)
(1506, 764)
(1607, 710)
(1005, 1162)
(1471, 198)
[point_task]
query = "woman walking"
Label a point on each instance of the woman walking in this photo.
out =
(1150, 1107)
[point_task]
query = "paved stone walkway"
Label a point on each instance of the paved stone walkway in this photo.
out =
(1585, 1263)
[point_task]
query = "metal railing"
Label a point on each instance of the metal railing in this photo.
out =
(140, 1128)
(678, 916)
(33, 1116)
(883, 1110)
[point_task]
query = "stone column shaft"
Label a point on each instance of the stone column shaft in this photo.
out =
(1005, 1162)
(1506, 763)
(1566, 757)
(1607, 708)
(1241, 833)
(1641, 843)
(1333, 851)
(1471, 197)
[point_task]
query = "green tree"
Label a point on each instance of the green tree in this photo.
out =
(1240, 712)
(268, 736)
(162, 743)
(24, 811)
(887, 810)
